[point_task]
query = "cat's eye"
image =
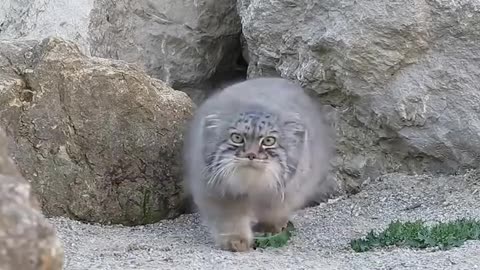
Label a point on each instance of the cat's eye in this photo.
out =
(236, 138)
(269, 141)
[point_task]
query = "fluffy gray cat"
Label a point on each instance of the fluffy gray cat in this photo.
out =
(254, 153)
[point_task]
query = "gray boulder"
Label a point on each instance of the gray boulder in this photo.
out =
(98, 139)
(402, 76)
(187, 44)
(27, 240)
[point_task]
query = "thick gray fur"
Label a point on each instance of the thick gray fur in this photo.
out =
(232, 192)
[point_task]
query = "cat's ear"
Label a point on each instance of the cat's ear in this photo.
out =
(209, 126)
(210, 121)
(295, 127)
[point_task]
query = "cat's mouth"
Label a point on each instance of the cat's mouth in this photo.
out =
(253, 163)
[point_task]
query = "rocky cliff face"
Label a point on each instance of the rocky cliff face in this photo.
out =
(27, 240)
(402, 76)
(188, 44)
(98, 139)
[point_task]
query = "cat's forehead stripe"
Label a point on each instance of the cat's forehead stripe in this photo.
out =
(254, 123)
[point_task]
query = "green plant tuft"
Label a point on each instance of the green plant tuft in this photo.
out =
(417, 235)
(276, 240)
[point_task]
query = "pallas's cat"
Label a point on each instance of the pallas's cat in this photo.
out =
(254, 152)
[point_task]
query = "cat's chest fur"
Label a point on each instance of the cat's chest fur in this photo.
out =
(249, 180)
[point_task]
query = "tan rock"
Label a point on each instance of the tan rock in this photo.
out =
(98, 139)
(27, 240)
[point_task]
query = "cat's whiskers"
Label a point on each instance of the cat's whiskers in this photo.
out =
(224, 170)
(216, 176)
(279, 184)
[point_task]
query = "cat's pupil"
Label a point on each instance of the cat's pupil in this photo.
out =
(236, 138)
(268, 141)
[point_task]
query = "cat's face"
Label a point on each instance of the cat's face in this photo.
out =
(253, 152)
(253, 140)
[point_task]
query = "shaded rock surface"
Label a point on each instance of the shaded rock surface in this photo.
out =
(402, 76)
(187, 44)
(98, 139)
(27, 240)
(184, 43)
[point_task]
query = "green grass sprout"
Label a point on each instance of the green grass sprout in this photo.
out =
(443, 235)
(276, 240)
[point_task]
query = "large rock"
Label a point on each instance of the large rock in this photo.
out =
(184, 43)
(99, 139)
(402, 75)
(27, 240)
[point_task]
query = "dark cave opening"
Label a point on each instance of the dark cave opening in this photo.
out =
(230, 69)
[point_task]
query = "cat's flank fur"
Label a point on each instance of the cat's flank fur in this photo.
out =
(254, 153)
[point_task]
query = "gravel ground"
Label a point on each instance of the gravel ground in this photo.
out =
(321, 240)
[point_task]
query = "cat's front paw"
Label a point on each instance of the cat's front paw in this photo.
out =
(235, 243)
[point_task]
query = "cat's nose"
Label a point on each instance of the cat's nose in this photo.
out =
(251, 156)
